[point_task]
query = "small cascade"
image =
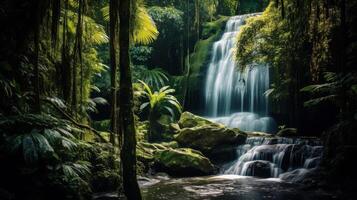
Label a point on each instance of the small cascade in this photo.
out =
(233, 97)
(275, 157)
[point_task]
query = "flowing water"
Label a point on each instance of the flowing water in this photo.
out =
(234, 97)
(229, 187)
(285, 158)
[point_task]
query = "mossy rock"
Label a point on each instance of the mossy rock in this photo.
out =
(287, 132)
(145, 151)
(189, 120)
(183, 162)
(206, 138)
(259, 134)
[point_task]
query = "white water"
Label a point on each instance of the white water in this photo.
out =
(237, 98)
(275, 157)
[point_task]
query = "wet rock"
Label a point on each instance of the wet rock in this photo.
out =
(287, 132)
(206, 138)
(257, 168)
(182, 162)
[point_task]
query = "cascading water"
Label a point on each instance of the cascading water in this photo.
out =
(275, 157)
(236, 98)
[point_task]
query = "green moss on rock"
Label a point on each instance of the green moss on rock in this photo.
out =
(206, 138)
(183, 162)
(189, 120)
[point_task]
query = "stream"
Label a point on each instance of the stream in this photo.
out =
(229, 187)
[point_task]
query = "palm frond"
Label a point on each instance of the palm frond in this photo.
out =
(144, 28)
(155, 78)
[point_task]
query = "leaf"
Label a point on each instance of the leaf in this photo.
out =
(100, 101)
(144, 105)
(316, 101)
(52, 136)
(68, 144)
(41, 142)
(29, 150)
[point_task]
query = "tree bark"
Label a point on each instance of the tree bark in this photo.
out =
(128, 155)
(113, 64)
(36, 81)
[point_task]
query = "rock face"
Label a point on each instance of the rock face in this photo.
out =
(214, 140)
(182, 162)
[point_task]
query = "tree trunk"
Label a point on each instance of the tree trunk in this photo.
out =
(66, 63)
(113, 64)
(238, 7)
(128, 155)
(36, 81)
(197, 19)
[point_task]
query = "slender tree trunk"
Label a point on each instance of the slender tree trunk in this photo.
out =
(185, 94)
(113, 64)
(36, 82)
(66, 62)
(238, 7)
(197, 18)
(282, 9)
(128, 155)
(77, 55)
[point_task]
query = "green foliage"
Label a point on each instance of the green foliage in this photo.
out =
(42, 145)
(140, 54)
(144, 29)
(337, 89)
(159, 103)
(168, 19)
(155, 78)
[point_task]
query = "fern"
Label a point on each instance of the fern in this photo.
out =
(336, 85)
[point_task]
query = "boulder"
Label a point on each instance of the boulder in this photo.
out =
(182, 162)
(214, 140)
(206, 138)
(189, 120)
(257, 168)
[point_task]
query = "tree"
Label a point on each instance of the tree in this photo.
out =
(131, 187)
(113, 64)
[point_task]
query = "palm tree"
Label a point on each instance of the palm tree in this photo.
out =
(159, 102)
(144, 30)
(130, 183)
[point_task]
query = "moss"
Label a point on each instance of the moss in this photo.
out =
(210, 33)
(183, 162)
(200, 57)
(206, 138)
(189, 120)
(142, 130)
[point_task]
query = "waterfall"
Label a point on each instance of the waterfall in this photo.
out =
(275, 157)
(233, 97)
